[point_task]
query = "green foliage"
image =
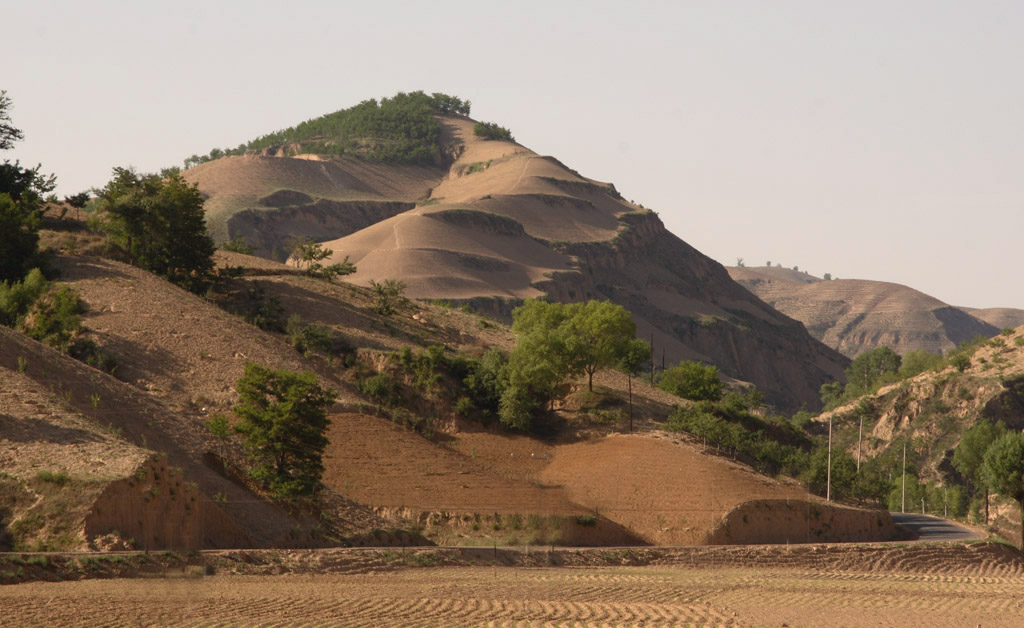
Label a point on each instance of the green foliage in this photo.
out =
(316, 338)
(264, 312)
(1003, 467)
(692, 380)
(960, 361)
(284, 420)
(844, 472)
(21, 194)
(869, 368)
(969, 455)
(78, 201)
(917, 362)
(19, 238)
(387, 295)
(381, 387)
(637, 353)
(55, 319)
(485, 380)
(310, 254)
(17, 298)
(158, 224)
(492, 131)
(218, 426)
(733, 427)
(60, 478)
(401, 129)
(239, 245)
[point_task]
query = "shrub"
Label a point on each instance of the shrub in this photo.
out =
(492, 131)
(219, 426)
(239, 245)
(55, 318)
(16, 298)
(691, 380)
(387, 296)
(59, 478)
(381, 387)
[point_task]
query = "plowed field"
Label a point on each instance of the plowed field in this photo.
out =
(653, 595)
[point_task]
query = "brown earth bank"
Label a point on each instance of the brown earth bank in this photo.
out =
(828, 586)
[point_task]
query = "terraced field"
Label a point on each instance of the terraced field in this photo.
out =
(910, 587)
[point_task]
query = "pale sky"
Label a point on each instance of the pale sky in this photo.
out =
(872, 140)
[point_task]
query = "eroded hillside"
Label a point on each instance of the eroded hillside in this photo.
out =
(854, 316)
(491, 223)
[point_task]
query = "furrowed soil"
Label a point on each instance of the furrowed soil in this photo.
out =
(829, 586)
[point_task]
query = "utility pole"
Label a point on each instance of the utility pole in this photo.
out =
(860, 437)
(652, 358)
(903, 499)
(828, 472)
(629, 378)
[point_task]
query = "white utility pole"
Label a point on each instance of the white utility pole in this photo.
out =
(860, 436)
(903, 500)
(828, 472)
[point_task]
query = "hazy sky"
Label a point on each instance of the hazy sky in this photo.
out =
(874, 140)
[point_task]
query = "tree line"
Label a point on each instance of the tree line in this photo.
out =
(400, 129)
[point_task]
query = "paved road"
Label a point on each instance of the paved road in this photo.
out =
(934, 528)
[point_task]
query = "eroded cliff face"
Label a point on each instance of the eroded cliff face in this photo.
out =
(696, 312)
(290, 216)
(158, 509)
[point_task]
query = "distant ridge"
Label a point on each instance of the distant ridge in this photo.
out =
(856, 315)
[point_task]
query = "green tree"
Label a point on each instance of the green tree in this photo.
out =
(158, 224)
(969, 455)
(284, 422)
(492, 131)
(598, 334)
(21, 193)
(919, 361)
(871, 368)
(692, 380)
(311, 254)
(387, 295)
(844, 472)
(1004, 469)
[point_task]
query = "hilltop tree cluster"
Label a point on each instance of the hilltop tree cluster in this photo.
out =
(400, 129)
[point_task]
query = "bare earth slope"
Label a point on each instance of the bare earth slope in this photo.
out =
(854, 315)
(1000, 317)
(502, 223)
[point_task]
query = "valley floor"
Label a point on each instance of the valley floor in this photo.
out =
(828, 586)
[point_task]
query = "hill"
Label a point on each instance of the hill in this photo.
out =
(490, 223)
(1001, 317)
(929, 413)
(854, 315)
(93, 460)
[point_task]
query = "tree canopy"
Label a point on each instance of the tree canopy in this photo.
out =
(284, 422)
(692, 380)
(1004, 469)
(868, 368)
(556, 341)
(21, 193)
(400, 129)
(158, 224)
